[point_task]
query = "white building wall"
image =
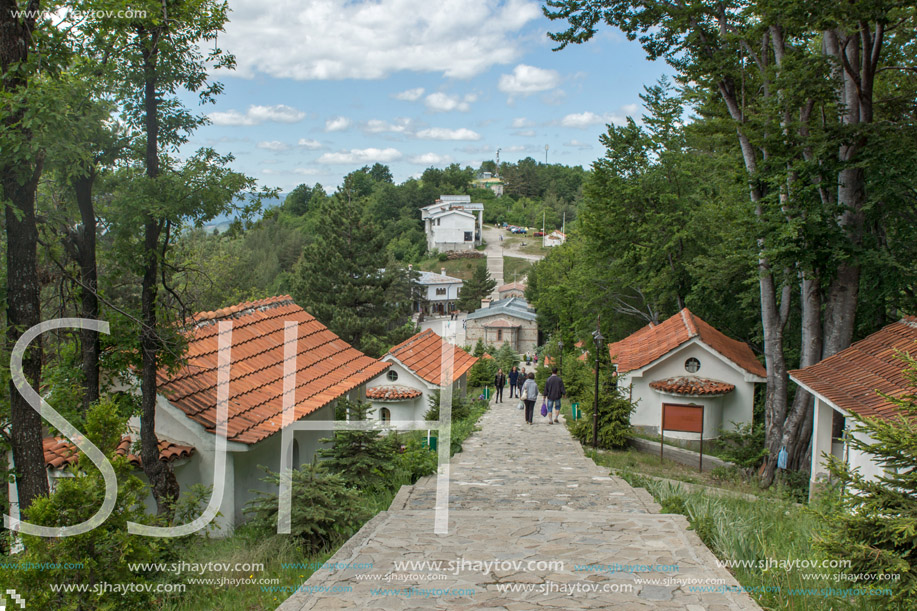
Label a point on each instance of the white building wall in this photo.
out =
(447, 232)
(720, 412)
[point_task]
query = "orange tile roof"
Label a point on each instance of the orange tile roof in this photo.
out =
(655, 341)
(327, 367)
(393, 392)
(60, 452)
(423, 354)
(853, 378)
(511, 286)
(692, 385)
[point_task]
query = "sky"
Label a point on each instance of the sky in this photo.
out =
(324, 87)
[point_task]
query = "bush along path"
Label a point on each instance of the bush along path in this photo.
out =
(533, 523)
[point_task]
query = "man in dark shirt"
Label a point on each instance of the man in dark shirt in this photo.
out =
(513, 379)
(499, 383)
(553, 391)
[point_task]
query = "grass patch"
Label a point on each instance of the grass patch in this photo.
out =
(515, 267)
(457, 268)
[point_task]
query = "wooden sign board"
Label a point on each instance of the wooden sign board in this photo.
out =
(684, 419)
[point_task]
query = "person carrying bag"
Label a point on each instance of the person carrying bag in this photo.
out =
(529, 396)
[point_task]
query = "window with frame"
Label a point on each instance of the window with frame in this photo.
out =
(499, 335)
(692, 365)
(392, 375)
(441, 291)
(469, 236)
(385, 415)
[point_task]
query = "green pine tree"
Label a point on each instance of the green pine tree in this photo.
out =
(479, 286)
(875, 524)
(364, 459)
(342, 281)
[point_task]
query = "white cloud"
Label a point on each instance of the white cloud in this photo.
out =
(378, 126)
(521, 122)
(371, 39)
(442, 102)
(307, 171)
(588, 119)
(337, 124)
(526, 80)
(524, 133)
(312, 145)
(410, 95)
(361, 156)
(429, 159)
(443, 133)
(577, 144)
(256, 115)
(273, 145)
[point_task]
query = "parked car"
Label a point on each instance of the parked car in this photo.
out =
(538, 234)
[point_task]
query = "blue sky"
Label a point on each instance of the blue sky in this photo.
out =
(323, 87)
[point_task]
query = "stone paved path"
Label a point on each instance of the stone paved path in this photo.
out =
(522, 496)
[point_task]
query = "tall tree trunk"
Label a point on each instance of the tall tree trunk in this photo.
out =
(162, 479)
(24, 312)
(85, 239)
(799, 426)
(19, 182)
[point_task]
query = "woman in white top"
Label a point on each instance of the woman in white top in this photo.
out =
(529, 396)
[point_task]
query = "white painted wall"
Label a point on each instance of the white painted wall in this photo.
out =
(414, 409)
(720, 412)
(452, 291)
(447, 232)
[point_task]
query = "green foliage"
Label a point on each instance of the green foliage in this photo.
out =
(363, 459)
(614, 414)
(461, 405)
(480, 349)
(482, 373)
(104, 551)
(415, 460)
(325, 509)
(479, 286)
(743, 446)
(875, 524)
(341, 280)
(506, 357)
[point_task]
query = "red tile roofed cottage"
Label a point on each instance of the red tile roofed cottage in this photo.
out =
(685, 361)
(850, 382)
(327, 368)
(402, 392)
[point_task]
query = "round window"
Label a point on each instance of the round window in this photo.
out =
(392, 375)
(692, 365)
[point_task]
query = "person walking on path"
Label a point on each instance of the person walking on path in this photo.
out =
(553, 391)
(520, 381)
(529, 396)
(499, 383)
(513, 379)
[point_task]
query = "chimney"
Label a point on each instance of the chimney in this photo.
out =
(442, 270)
(485, 303)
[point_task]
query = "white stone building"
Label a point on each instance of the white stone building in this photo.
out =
(327, 368)
(849, 382)
(440, 292)
(505, 321)
(403, 391)
(453, 223)
(685, 361)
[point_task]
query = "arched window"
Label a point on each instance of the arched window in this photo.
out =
(385, 414)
